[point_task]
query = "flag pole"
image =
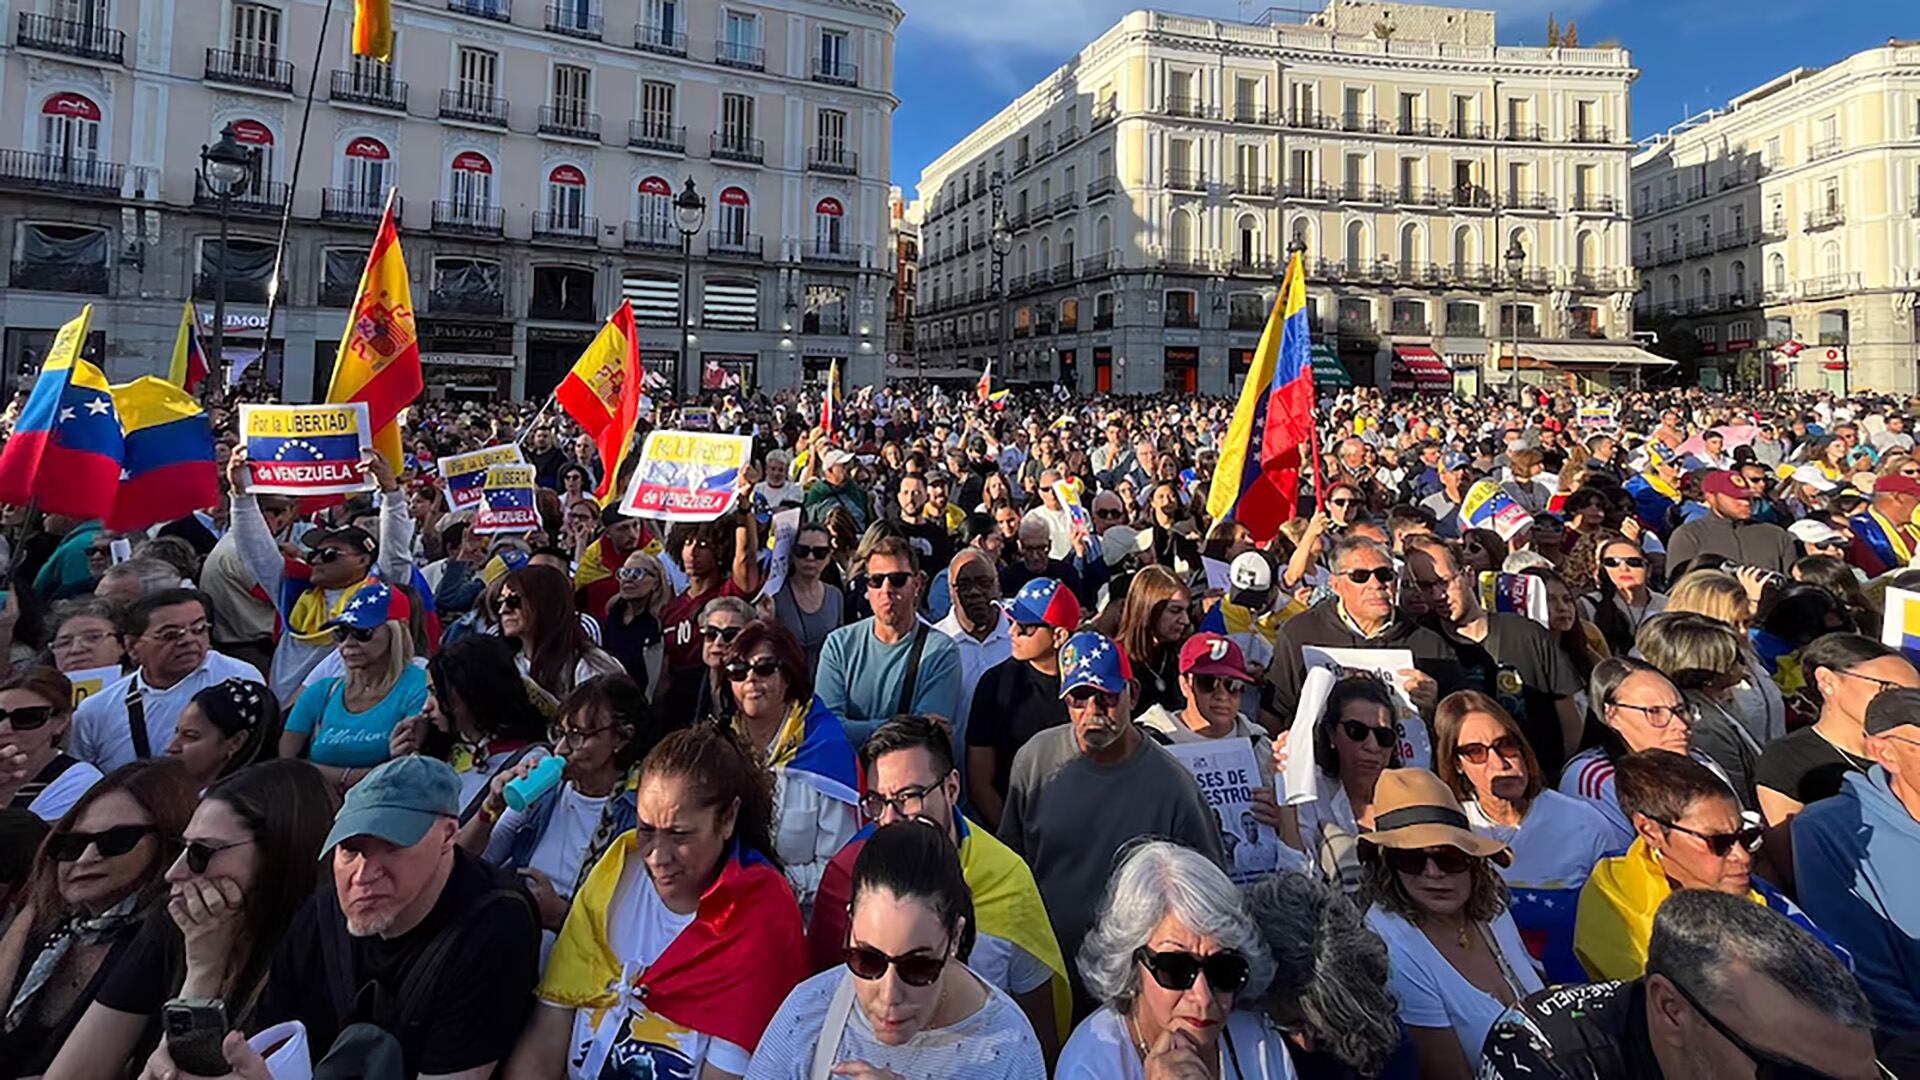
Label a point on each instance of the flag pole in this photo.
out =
(286, 209)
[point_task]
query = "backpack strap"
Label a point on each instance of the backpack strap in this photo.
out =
(913, 667)
(480, 797)
(336, 958)
(137, 720)
(415, 1006)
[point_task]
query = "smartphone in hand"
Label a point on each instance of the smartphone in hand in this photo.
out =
(195, 1028)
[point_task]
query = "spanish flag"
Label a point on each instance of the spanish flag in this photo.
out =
(168, 470)
(189, 367)
(379, 359)
(65, 449)
(373, 29)
(602, 394)
(830, 405)
(1258, 476)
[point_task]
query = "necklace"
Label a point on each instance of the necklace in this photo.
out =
(1849, 760)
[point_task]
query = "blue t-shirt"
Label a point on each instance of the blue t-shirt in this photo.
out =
(352, 740)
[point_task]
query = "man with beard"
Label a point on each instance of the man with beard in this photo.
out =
(891, 662)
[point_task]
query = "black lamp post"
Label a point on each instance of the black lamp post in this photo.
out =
(689, 214)
(1002, 241)
(1516, 263)
(224, 168)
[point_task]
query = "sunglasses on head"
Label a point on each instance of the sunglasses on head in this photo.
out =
(1506, 746)
(896, 579)
(1721, 844)
(1177, 971)
(343, 633)
(720, 633)
(1358, 732)
(915, 969)
(1414, 860)
(809, 551)
(27, 717)
(1381, 574)
(1614, 562)
(114, 842)
(1207, 684)
(199, 854)
(738, 670)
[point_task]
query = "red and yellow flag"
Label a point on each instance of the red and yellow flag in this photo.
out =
(602, 393)
(373, 28)
(379, 360)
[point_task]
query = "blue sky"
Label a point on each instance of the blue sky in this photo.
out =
(959, 61)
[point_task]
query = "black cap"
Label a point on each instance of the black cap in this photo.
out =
(353, 536)
(1891, 708)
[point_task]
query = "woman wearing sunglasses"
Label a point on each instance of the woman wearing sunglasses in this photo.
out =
(249, 860)
(904, 1003)
(807, 604)
(1177, 965)
(225, 728)
(1624, 598)
(343, 725)
(631, 631)
(36, 707)
(537, 614)
(720, 559)
(1457, 957)
(1845, 672)
(86, 635)
(816, 784)
(1483, 757)
(1689, 834)
(98, 875)
(1354, 742)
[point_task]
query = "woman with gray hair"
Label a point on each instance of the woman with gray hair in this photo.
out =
(1330, 972)
(1171, 954)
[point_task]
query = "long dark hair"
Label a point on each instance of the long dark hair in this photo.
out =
(162, 789)
(286, 806)
(1607, 616)
(557, 640)
(1349, 689)
(481, 670)
(242, 705)
(915, 862)
(720, 768)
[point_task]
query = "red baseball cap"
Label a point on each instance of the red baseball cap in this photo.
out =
(1896, 484)
(1727, 483)
(1213, 654)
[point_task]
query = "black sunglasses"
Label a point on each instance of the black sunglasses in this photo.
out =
(199, 853)
(738, 670)
(1767, 1066)
(1613, 562)
(915, 970)
(1207, 684)
(27, 717)
(1381, 574)
(720, 633)
(1358, 732)
(325, 555)
(1226, 971)
(510, 601)
(1506, 746)
(1721, 844)
(1415, 860)
(114, 842)
(809, 551)
(896, 579)
(342, 633)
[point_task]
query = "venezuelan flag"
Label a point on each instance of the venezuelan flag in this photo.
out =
(602, 394)
(379, 358)
(373, 28)
(189, 368)
(66, 445)
(1257, 480)
(168, 461)
(1910, 629)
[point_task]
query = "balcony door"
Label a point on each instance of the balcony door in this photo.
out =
(368, 168)
(656, 110)
(70, 131)
(567, 198)
(663, 21)
(470, 187)
(829, 227)
(255, 39)
(479, 75)
(735, 217)
(736, 121)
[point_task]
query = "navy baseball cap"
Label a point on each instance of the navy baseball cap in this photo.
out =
(1090, 658)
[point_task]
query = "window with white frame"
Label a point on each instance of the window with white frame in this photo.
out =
(836, 54)
(366, 173)
(653, 212)
(736, 216)
(256, 34)
(470, 184)
(657, 109)
(566, 198)
(829, 227)
(831, 135)
(478, 77)
(662, 25)
(70, 128)
(572, 94)
(736, 121)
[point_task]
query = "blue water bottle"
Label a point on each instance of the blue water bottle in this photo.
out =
(531, 788)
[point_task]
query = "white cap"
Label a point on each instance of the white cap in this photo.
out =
(1813, 531)
(1250, 572)
(1810, 475)
(836, 456)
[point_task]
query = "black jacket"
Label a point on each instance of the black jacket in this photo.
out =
(1321, 625)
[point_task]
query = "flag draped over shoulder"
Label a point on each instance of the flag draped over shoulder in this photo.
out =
(379, 359)
(167, 462)
(66, 446)
(373, 28)
(602, 393)
(189, 367)
(1257, 479)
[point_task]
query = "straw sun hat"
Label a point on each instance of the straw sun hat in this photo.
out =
(1413, 808)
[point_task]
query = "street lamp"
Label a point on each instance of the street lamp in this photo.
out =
(689, 214)
(1002, 242)
(224, 168)
(1516, 262)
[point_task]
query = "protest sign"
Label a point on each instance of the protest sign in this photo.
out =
(464, 474)
(1597, 416)
(1415, 746)
(1069, 495)
(1900, 626)
(507, 501)
(306, 449)
(786, 526)
(1227, 775)
(90, 681)
(1487, 507)
(1514, 594)
(1219, 573)
(1301, 782)
(697, 418)
(686, 476)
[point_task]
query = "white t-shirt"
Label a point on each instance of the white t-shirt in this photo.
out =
(563, 847)
(1557, 843)
(1006, 965)
(1434, 995)
(101, 732)
(643, 1043)
(1102, 1049)
(58, 797)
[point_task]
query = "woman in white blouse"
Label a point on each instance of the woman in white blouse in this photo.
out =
(1354, 744)
(1438, 903)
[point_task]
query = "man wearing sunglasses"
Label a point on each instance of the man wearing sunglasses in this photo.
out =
(1856, 859)
(1729, 529)
(890, 662)
(1731, 990)
(1080, 793)
(1019, 697)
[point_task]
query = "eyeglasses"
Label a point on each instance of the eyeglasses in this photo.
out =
(896, 579)
(1226, 972)
(1880, 684)
(868, 963)
(633, 573)
(723, 634)
(342, 634)
(1381, 574)
(173, 634)
(1767, 1066)
(809, 551)
(1080, 695)
(1721, 844)
(199, 854)
(1358, 732)
(740, 669)
(510, 601)
(1208, 684)
(907, 802)
(1614, 562)
(560, 736)
(27, 717)
(1506, 746)
(86, 639)
(1660, 716)
(111, 843)
(1449, 860)
(1439, 584)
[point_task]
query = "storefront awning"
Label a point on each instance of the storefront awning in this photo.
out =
(1588, 354)
(1328, 371)
(1418, 369)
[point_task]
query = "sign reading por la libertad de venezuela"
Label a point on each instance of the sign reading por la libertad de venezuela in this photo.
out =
(306, 449)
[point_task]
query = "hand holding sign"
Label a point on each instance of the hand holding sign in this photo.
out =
(308, 449)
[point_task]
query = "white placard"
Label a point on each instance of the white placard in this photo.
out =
(1227, 774)
(1416, 749)
(786, 526)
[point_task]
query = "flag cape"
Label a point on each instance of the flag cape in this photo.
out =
(1257, 479)
(984, 387)
(1487, 507)
(189, 368)
(1652, 499)
(724, 975)
(1879, 544)
(602, 393)
(168, 469)
(66, 445)
(812, 746)
(379, 358)
(373, 28)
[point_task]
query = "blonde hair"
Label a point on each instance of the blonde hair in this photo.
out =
(658, 601)
(1713, 593)
(399, 658)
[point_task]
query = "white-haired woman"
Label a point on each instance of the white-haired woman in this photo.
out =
(1170, 956)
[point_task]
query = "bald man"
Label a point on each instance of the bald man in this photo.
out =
(978, 629)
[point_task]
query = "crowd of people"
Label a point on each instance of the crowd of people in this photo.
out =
(1573, 739)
